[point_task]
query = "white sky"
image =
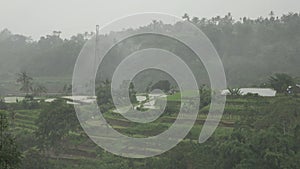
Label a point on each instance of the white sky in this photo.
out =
(36, 18)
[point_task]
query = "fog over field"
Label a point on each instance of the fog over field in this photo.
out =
(149, 84)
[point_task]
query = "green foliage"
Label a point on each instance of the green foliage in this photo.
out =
(280, 82)
(261, 45)
(55, 122)
(25, 81)
(10, 156)
(262, 149)
(234, 92)
(284, 115)
(173, 107)
(265, 141)
(132, 93)
(266, 137)
(34, 159)
(205, 96)
(2, 104)
(104, 98)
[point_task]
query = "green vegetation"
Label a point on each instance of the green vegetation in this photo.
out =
(10, 155)
(254, 130)
(280, 82)
(254, 133)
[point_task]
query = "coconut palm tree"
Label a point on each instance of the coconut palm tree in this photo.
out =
(235, 92)
(281, 81)
(25, 81)
(186, 17)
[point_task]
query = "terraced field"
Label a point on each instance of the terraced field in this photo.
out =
(82, 151)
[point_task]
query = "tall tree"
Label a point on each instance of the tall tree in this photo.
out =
(186, 17)
(26, 81)
(55, 122)
(104, 98)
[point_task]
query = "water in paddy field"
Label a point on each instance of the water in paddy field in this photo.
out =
(76, 99)
(13, 99)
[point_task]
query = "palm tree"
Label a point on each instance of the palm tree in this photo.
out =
(281, 81)
(26, 82)
(235, 92)
(186, 17)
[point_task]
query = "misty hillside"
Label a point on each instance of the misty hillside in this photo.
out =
(251, 49)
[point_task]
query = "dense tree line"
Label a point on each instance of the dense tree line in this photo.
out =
(251, 49)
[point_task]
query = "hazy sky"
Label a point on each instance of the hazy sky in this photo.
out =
(40, 17)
